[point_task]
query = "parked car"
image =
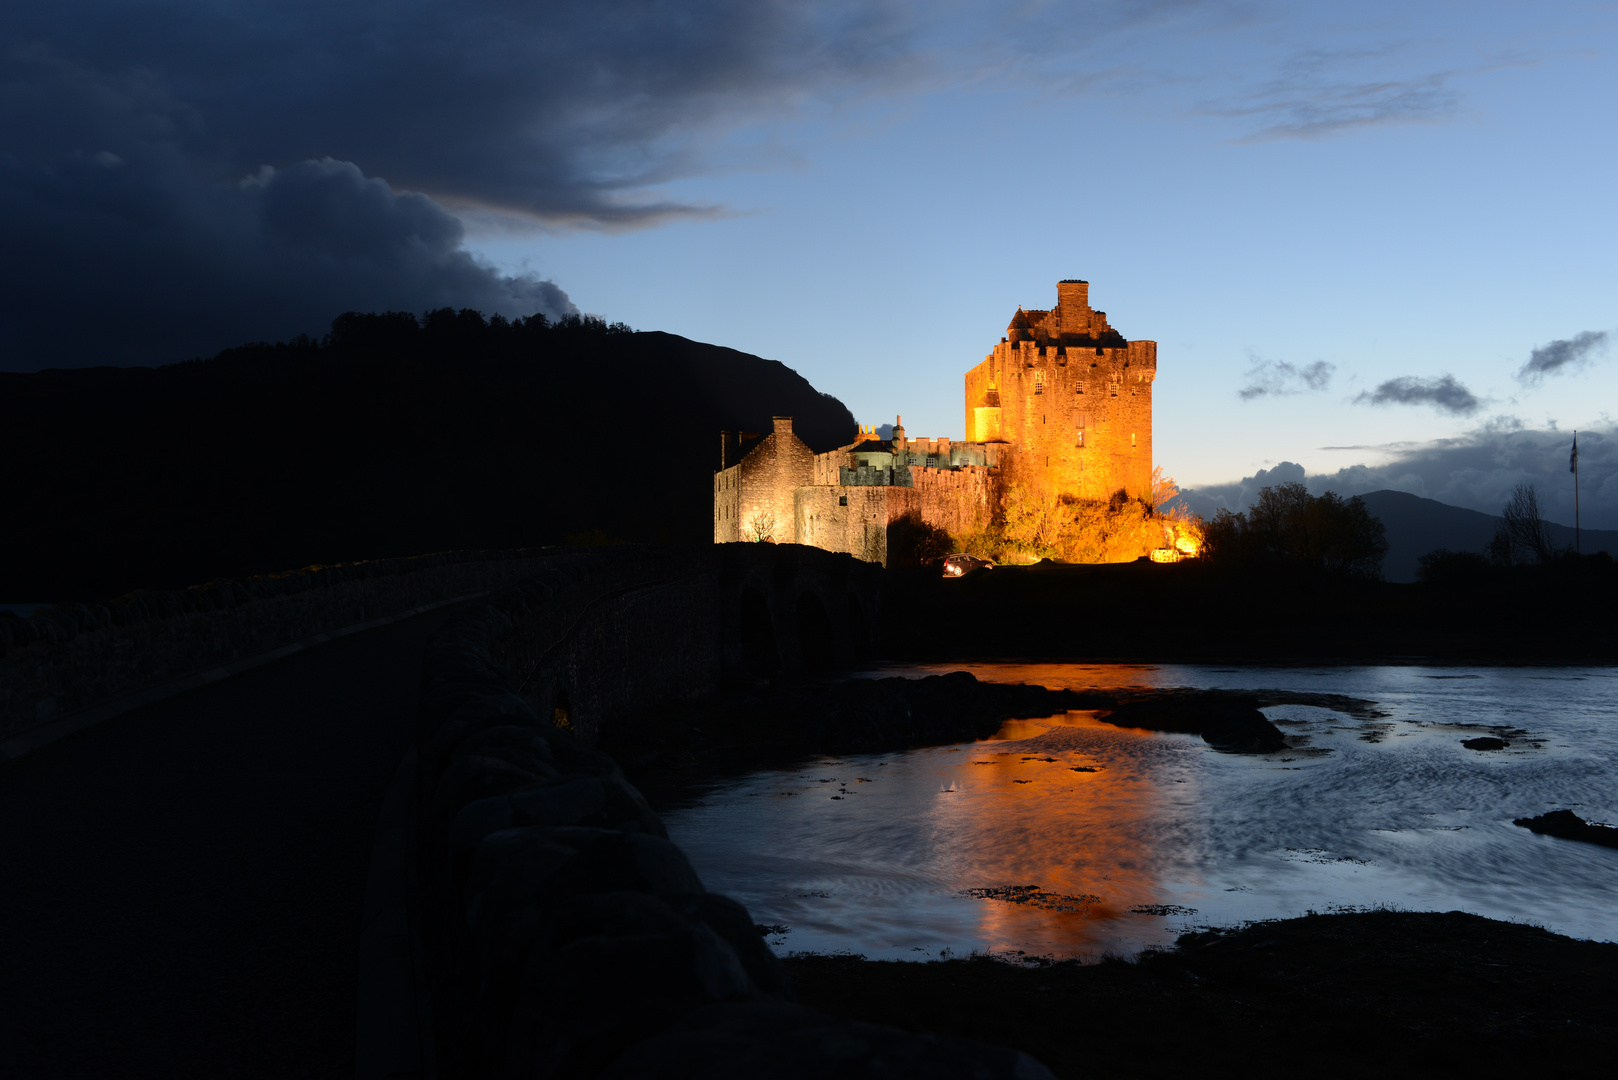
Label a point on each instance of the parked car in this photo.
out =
(962, 563)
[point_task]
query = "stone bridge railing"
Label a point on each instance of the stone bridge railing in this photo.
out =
(564, 934)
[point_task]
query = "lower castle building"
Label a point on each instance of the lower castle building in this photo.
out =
(1062, 406)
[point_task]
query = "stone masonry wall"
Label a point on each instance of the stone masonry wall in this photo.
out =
(727, 505)
(766, 478)
(1079, 414)
(70, 657)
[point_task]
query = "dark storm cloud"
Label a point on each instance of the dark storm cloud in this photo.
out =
(1477, 470)
(127, 239)
(1278, 378)
(1444, 393)
(566, 110)
(139, 260)
(180, 177)
(1565, 354)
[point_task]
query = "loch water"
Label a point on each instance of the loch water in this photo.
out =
(1067, 836)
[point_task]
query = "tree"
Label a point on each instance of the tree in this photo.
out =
(1522, 533)
(1289, 527)
(761, 527)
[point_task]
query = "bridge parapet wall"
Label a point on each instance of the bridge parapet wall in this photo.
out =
(70, 658)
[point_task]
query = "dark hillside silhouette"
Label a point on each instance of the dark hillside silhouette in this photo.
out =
(1416, 526)
(393, 436)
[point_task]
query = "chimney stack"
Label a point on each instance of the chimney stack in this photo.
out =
(783, 425)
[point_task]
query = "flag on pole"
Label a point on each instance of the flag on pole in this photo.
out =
(1573, 462)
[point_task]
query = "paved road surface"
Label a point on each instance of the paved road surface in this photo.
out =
(180, 888)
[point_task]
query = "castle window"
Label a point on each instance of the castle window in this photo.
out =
(1039, 382)
(1131, 438)
(842, 500)
(1078, 388)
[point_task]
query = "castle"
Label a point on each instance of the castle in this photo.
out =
(1062, 407)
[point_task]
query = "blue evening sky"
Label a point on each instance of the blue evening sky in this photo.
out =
(1391, 190)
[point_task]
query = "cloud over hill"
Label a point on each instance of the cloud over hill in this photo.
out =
(1476, 470)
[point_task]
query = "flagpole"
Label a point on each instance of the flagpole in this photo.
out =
(1578, 547)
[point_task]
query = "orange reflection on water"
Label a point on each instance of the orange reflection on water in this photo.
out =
(1024, 814)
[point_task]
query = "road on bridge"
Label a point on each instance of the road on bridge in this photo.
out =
(181, 887)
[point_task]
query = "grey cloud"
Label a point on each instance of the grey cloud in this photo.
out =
(1320, 93)
(568, 110)
(1564, 354)
(1306, 112)
(1237, 496)
(1476, 470)
(1445, 393)
(1276, 378)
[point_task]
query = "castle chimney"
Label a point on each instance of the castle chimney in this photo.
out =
(1073, 298)
(898, 434)
(783, 425)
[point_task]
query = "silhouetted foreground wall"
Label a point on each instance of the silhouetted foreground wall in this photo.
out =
(565, 934)
(71, 657)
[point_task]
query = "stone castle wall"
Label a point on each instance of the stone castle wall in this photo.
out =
(856, 518)
(1072, 396)
(755, 495)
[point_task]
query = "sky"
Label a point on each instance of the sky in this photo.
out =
(1374, 241)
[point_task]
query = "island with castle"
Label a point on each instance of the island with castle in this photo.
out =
(1061, 411)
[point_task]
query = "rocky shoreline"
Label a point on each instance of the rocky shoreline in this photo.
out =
(676, 749)
(1370, 993)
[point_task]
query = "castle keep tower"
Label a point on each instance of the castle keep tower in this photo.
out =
(1071, 397)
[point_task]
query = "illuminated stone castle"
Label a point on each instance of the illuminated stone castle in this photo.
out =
(1062, 406)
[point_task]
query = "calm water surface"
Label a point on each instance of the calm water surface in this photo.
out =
(1378, 803)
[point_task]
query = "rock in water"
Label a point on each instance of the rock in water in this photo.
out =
(1242, 731)
(1570, 826)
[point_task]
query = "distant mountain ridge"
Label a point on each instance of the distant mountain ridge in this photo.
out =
(1416, 526)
